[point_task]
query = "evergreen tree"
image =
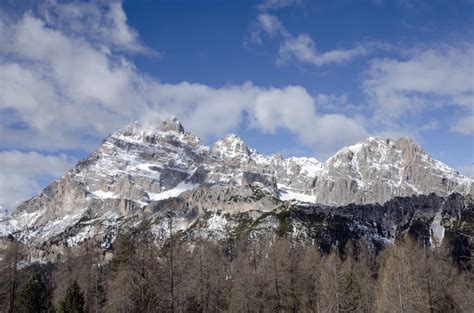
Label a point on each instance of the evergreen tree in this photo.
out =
(74, 300)
(34, 296)
(461, 251)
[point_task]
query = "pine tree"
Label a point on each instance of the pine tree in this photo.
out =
(74, 300)
(34, 296)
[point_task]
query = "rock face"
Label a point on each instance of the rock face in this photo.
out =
(377, 170)
(142, 170)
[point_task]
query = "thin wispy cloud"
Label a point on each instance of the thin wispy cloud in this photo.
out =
(302, 48)
(464, 125)
(278, 4)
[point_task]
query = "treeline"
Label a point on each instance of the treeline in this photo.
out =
(251, 274)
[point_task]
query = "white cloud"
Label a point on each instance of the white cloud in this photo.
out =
(337, 130)
(271, 25)
(293, 108)
(60, 81)
(302, 48)
(433, 124)
(103, 23)
(20, 172)
(204, 110)
(467, 170)
(55, 81)
(278, 4)
(331, 99)
(426, 78)
(337, 103)
(464, 126)
(212, 112)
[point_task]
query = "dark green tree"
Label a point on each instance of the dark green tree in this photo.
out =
(74, 300)
(34, 296)
(461, 252)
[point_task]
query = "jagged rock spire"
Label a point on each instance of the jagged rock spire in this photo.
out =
(172, 124)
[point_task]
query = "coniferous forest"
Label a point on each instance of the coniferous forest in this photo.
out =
(264, 273)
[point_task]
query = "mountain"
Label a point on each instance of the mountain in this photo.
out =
(377, 170)
(144, 170)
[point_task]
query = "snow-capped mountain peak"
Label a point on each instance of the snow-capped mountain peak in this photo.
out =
(147, 162)
(140, 130)
(382, 168)
(172, 124)
(231, 146)
(310, 166)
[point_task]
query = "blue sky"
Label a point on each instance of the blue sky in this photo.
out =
(296, 77)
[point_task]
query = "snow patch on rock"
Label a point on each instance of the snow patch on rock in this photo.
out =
(437, 230)
(287, 194)
(176, 191)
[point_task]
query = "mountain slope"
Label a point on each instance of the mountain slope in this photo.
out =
(141, 170)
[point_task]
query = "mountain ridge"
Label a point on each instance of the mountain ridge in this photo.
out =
(233, 147)
(143, 164)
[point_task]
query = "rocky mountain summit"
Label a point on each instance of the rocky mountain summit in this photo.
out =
(377, 170)
(144, 169)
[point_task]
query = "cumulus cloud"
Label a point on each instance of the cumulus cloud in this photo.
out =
(423, 79)
(201, 109)
(20, 172)
(302, 48)
(54, 80)
(293, 108)
(204, 110)
(104, 23)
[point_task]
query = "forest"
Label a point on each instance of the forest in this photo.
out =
(252, 273)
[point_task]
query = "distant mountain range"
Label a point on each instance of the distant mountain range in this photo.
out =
(143, 171)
